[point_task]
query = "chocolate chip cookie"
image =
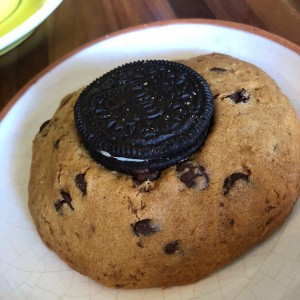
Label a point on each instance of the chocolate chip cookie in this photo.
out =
(180, 223)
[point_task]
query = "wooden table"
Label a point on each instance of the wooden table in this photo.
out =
(76, 22)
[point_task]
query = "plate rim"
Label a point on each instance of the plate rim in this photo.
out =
(196, 21)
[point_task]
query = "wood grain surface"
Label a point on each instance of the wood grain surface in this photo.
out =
(76, 22)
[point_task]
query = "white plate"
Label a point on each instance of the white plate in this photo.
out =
(19, 10)
(28, 270)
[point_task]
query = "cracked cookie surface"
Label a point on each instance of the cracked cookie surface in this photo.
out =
(189, 219)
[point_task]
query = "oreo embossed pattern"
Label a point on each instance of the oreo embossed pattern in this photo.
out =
(144, 115)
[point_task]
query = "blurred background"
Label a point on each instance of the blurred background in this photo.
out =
(77, 22)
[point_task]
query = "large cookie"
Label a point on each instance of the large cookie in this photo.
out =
(198, 215)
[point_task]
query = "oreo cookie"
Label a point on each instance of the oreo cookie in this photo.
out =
(144, 115)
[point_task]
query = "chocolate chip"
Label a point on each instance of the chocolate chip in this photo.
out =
(230, 181)
(81, 183)
(172, 247)
(58, 206)
(193, 175)
(145, 227)
(56, 144)
(269, 221)
(65, 100)
(140, 176)
(44, 125)
(239, 96)
(66, 199)
(218, 70)
(140, 244)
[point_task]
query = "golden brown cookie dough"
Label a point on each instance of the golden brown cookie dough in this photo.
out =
(197, 216)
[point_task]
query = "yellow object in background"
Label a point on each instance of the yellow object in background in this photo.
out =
(14, 12)
(7, 8)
